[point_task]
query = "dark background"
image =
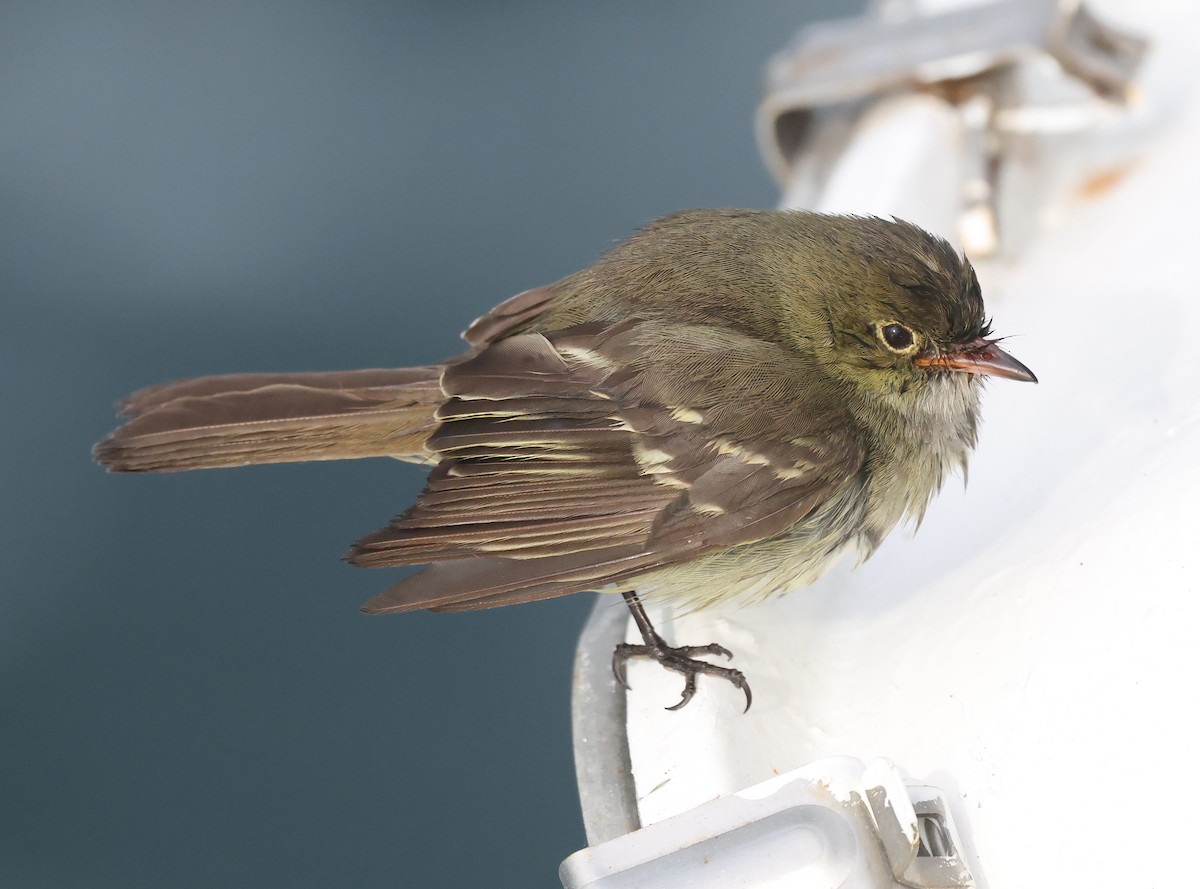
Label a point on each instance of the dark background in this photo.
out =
(188, 693)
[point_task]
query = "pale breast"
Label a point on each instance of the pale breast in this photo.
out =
(925, 446)
(929, 436)
(755, 571)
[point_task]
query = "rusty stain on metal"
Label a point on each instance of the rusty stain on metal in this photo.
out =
(1101, 183)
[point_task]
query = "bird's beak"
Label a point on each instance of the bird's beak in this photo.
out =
(982, 357)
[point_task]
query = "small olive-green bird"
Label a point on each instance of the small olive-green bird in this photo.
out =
(712, 413)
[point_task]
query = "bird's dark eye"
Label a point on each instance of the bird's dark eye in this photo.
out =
(897, 336)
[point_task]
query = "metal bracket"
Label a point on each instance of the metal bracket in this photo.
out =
(830, 825)
(817, 87)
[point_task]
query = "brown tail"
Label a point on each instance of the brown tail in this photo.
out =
(241, 419)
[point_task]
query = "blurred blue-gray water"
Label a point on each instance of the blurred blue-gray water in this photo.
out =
(189, 696)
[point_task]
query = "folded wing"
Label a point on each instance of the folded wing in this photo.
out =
(584, 458)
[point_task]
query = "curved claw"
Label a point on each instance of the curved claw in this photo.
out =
(734, 677)
(689, 691)
(681, 660)
(621, 654)
(744, 686)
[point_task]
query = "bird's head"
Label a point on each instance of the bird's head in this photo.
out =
(904, 311)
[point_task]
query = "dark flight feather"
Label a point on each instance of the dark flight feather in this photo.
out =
(589, 396)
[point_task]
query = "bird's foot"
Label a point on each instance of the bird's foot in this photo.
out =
(680, 660)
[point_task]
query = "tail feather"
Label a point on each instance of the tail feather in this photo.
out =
(224, 384)
(241, 419)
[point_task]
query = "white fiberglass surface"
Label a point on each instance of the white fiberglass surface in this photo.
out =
(1031, 649)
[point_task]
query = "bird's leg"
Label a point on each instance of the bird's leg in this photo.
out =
(680, 660)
